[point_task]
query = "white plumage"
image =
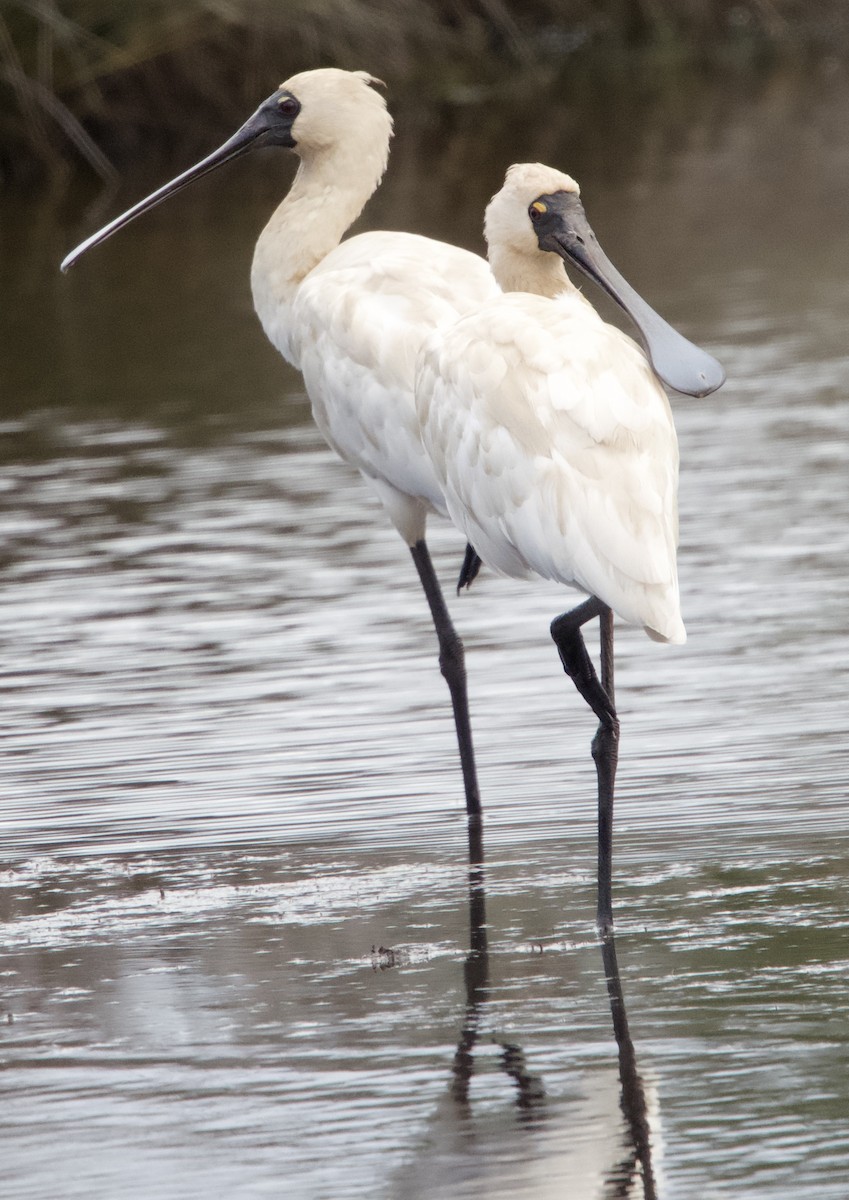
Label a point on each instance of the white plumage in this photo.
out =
(551, 437)
(361, 317)
(353, 316)
(554, 446)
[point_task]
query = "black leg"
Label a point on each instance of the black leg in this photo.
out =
(606, 755)
(452, 665)
(599, 695)
(469, 570)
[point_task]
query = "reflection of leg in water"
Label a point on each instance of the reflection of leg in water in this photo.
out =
(638, 1161)
(475, 969)
(530, 1092)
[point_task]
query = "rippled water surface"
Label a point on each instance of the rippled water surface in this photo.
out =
(243, 953)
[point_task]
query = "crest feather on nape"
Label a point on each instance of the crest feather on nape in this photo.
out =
(539, 179)
(372, 81)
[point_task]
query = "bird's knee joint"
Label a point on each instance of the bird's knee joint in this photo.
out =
(574, 657)
(559, 628)
(606, 740)
(452, 657)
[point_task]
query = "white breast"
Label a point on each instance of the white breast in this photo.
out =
(555, 449)
(358, 322)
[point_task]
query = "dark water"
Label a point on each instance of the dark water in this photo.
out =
(229, 773)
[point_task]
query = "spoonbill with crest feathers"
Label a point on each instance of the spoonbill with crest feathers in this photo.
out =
(554, 444)
(352, 315)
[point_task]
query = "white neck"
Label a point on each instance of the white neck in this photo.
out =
(540, 273)
(329, 192)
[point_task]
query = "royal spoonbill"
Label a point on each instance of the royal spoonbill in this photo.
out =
(554, 444)
(352, 315)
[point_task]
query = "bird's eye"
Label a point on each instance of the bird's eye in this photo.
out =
(536, 210)
(288, 106)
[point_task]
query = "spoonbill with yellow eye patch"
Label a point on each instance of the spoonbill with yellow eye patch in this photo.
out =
(553, 440)
(353, 316)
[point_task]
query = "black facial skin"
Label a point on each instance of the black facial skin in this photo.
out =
(270, 125)
(561, 226)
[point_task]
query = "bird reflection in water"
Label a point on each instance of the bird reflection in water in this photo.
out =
(530, 1093)
(637, 1164)
(627, 1169)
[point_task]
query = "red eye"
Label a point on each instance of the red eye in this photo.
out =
(534, 214)
(288, 106)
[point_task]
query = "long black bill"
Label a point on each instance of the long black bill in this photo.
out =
(264, 127)
(564, 229)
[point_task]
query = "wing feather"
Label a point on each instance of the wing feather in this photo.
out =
(362, 316)
(555, 449)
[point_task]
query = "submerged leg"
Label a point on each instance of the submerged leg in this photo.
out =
(599, 695)
(452, 665)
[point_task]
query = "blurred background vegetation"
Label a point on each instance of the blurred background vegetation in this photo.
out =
(101, 82)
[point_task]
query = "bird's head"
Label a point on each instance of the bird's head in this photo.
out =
(312, 113)
(506, 219)
(334, 107)
(540, 209)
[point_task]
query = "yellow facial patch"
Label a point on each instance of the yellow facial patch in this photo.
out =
(539, 207)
